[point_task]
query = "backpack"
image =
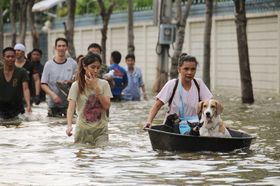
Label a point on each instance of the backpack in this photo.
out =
(175, 87)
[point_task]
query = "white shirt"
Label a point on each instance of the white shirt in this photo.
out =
(189, 98)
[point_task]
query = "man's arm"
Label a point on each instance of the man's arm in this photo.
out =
(26, 94)
(144, 92)
(56, 99)
(125, 81)
(37, 82)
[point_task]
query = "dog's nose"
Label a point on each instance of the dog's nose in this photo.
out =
(207, 113)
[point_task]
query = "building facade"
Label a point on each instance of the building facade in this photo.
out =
(263, 32)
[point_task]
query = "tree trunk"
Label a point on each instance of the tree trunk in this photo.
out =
(243, 53)
(22, 21)
(130, 44)
(30, 17)
(13, 14)
(207, 42)
(69, 27)
(180, 36)
(105, 15)
(163, 49)
(1, 29)
(162, 69)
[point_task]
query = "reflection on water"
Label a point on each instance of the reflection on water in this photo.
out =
(38, 152)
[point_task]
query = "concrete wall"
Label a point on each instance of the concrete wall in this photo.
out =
(263, 31)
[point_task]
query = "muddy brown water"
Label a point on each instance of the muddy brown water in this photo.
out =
(38, 152)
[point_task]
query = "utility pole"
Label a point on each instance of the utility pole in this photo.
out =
(166, 37)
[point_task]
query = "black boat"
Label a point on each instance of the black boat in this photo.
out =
(162, 139)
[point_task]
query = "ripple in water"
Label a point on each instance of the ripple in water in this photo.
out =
(38, 152)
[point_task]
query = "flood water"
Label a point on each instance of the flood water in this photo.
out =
(38, 152)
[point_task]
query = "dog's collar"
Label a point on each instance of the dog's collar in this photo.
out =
(212, 128)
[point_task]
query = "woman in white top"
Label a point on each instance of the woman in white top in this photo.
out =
(186, 94)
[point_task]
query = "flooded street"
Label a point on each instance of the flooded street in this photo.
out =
(38, 152)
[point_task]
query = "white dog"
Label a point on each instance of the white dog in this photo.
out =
(213, 125)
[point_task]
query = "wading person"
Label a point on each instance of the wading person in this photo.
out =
(35, 58)
(135, 81)
(61, 70)
(96, 48)
(14, 87)
(119, 76)
(183, 94)
(33, 75)
(90, 96)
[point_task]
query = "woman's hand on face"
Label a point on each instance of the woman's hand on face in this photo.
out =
(91, 80)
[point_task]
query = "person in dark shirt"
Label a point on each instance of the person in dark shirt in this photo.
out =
(35, 58)
(14, 86)
(34, 78)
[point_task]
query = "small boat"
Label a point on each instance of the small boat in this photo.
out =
(162, 139)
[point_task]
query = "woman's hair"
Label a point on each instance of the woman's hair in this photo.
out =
(84, 62)
(184, 57)
(79, 57)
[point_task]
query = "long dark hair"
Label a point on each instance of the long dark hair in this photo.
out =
(84, 62)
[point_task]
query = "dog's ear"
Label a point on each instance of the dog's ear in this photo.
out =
(199, 107)
(220, 107)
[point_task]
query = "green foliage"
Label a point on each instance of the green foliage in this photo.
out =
(91, 6)
(5, 4)
(143, 3)
(62, 11)
(121, 5)
(86, 7)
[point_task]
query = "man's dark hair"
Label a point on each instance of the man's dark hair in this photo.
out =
(116, 57)
(37, 50)
(130, 56)
(94, 45)
(61, 39)
(8, 49)
(34, 50)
